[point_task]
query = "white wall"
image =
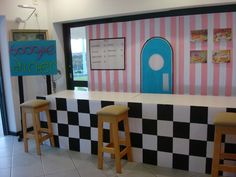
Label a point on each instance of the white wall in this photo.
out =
(64, 10)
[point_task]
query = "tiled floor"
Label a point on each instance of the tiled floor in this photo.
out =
(54, 162)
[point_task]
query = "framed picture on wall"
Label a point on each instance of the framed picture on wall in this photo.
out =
(28, 34)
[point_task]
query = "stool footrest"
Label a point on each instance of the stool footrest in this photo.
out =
(123, 152)
(228, 156)
(229, 168)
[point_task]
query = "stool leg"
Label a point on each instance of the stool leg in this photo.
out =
(127, 139)
(100, 143)
(116, 146)
(50, 132)
(36, 132)
(38, 126)
(217, 151)
(25, 130)
(111, 139)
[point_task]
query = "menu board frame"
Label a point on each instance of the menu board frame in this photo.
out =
(118, 64)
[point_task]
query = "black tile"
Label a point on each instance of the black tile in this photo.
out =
(84, 132)
(74, 144)
(208, 165)
(180, 161)
(135, 110)
(53, 115)
(63, 130)
(94, 147)
(41, 97)
(197, 148)
(230, 148)
(230, 109)
(136, 140)
(149, 126)
(43, 124)
(165, 112)
(164, 144)
(150, 157)
(93, 120)
(73, 118)
(56, 140)
(61, 104)
(198, 114)
(106, 103)
(210, 132)
(181, 130)
(106, 135)
(83, 106)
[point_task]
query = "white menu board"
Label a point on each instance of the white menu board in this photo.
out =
(107, 53)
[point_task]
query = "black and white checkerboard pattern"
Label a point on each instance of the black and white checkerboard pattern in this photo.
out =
(179, 137)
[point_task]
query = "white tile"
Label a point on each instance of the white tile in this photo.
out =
(5, 162)
(197, 164)
(149, 111)
(25, 159)
(31, 170)
(64, 142)
(198, 131)
(135, 125)
(74, 131)
(85, 146)
(94, 106)
(6, 172)
(181, 113)
(62, 117)
(230, 139)
(121, 103)
(212, 111)
(55, 128)
(164, 159)
(94, 134)
(180, 146)
(210, 149)
(84, 119)
(137, 154)
(67, 173)
(106, 125)
(72, 105)
(43, 116)
(150, 142)
(165, 128)
(52, 104)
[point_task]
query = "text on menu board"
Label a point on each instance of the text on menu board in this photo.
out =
(107, 53)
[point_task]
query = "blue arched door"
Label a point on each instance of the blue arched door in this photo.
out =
(156, 66)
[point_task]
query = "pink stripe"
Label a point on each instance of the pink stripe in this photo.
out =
(92, 80)
(192, 76)
(216, 69)
(152, 27)
(108, 78)
(124, 34)
(116, 76)
(204, 65)
(162, 27)
(229, 70)
(181, 55)
(173, 43)
(98, 32)
(133, 52)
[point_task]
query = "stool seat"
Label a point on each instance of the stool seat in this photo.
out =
(113, 110)
(39, 134)
(34, 103)
(225, 118)
(225, 124)
(113, 115)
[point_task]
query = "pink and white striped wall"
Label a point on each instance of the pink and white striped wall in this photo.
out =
(196, 79)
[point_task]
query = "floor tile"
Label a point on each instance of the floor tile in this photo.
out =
(31, 170)
(5, 162)
(6, 172)
(68, 173)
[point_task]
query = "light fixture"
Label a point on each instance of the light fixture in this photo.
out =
(19, 20)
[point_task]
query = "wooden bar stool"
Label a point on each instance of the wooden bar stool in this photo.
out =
(39, 134)
(225, 124)
(114, 114)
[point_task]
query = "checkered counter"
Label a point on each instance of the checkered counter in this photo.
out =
(167, 135)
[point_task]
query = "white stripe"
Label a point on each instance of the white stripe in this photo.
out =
(120, 72)
(222, 71)
(157, 26)
(234, 57)
(209, 55)
(198, 66)
(111, 72)
(147, 30)
(102, 35)
(129, 64)
(177, 56)
(167, 27)
(137, 55)
(88, 58)
(186, 54)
